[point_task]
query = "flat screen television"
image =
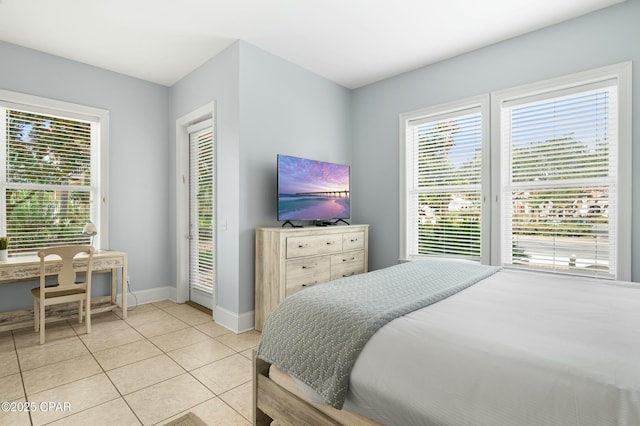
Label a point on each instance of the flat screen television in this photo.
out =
(312, 190)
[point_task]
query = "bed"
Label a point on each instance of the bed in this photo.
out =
(507, 347)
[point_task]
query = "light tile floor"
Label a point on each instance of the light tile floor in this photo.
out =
(165, 360)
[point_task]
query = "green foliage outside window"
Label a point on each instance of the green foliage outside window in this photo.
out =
(47, 159)
(570, 212)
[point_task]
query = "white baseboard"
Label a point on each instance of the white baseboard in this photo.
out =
(238, 323)
(156, 294)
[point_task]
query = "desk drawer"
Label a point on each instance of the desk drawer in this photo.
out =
(313, 244)
(306, 273)
(347, 264)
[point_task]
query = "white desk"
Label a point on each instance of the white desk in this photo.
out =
(27, 268)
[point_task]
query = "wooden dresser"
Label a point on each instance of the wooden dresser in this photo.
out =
(291, 259)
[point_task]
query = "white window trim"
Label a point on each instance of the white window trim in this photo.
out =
(100, 169)
(491, 113)
(622, 73)
(482, 102)
(205, 112)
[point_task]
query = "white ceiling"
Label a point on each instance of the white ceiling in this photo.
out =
(351, 42)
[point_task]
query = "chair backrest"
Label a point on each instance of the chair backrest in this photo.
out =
(66, 275)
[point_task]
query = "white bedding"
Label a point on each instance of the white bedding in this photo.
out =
(516, 349)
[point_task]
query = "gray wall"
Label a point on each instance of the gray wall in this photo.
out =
(284, 109)
(138, 155)
(216, 80)
(601, 38)
(265, 106)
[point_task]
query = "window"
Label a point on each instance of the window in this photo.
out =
(550, 191)
(51, 172)
(202, 236)
(564, 199)
(443, 176)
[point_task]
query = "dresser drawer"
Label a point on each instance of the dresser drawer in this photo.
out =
(307, 272)
(352, 240)
(347, 264)
(311, 245)
(292, 259)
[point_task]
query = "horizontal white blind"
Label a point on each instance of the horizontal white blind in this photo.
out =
(559, 182)
(46, 191)
(444, 194)
(201, 187)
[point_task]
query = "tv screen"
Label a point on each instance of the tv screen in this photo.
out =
(312, 190)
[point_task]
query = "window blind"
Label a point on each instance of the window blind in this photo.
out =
(47, 179)
(444, 184)
(202, 208)
(559, 174)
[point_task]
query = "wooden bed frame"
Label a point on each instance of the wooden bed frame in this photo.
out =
(272, 402)
(279, 401)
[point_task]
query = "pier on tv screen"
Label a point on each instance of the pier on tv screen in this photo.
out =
(312, 190)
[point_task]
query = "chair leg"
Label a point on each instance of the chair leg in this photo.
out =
(87, 310)
(42, 321)
(36, 315)
(80, 312)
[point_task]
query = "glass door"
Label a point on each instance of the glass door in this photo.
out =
(202, 259)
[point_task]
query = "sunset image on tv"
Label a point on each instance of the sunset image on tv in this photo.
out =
(310, 190)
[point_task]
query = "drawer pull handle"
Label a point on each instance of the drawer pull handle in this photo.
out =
(353, 240)
(303, 245)
(310, 284)
(350, 259)
(329, 243)
(348, 275)
(309, 266)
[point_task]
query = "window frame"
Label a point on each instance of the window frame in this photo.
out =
(621, 73)
(99, 150)
(491, 214)
(451, 109)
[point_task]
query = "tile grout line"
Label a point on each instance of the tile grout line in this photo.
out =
(163, 352)
(77, 380)
(48, 365)
(74, 381)
(215, 395)
(24, 389)
(188, 325)
(109, 378)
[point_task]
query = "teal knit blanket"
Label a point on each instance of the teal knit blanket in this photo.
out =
(317, 334)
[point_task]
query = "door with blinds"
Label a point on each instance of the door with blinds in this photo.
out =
(202, 250)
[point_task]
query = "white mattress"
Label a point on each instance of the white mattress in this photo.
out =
(516, 349)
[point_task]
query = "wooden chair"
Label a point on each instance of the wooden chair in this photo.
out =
(66, 289)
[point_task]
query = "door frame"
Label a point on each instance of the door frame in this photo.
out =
(205, 112)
